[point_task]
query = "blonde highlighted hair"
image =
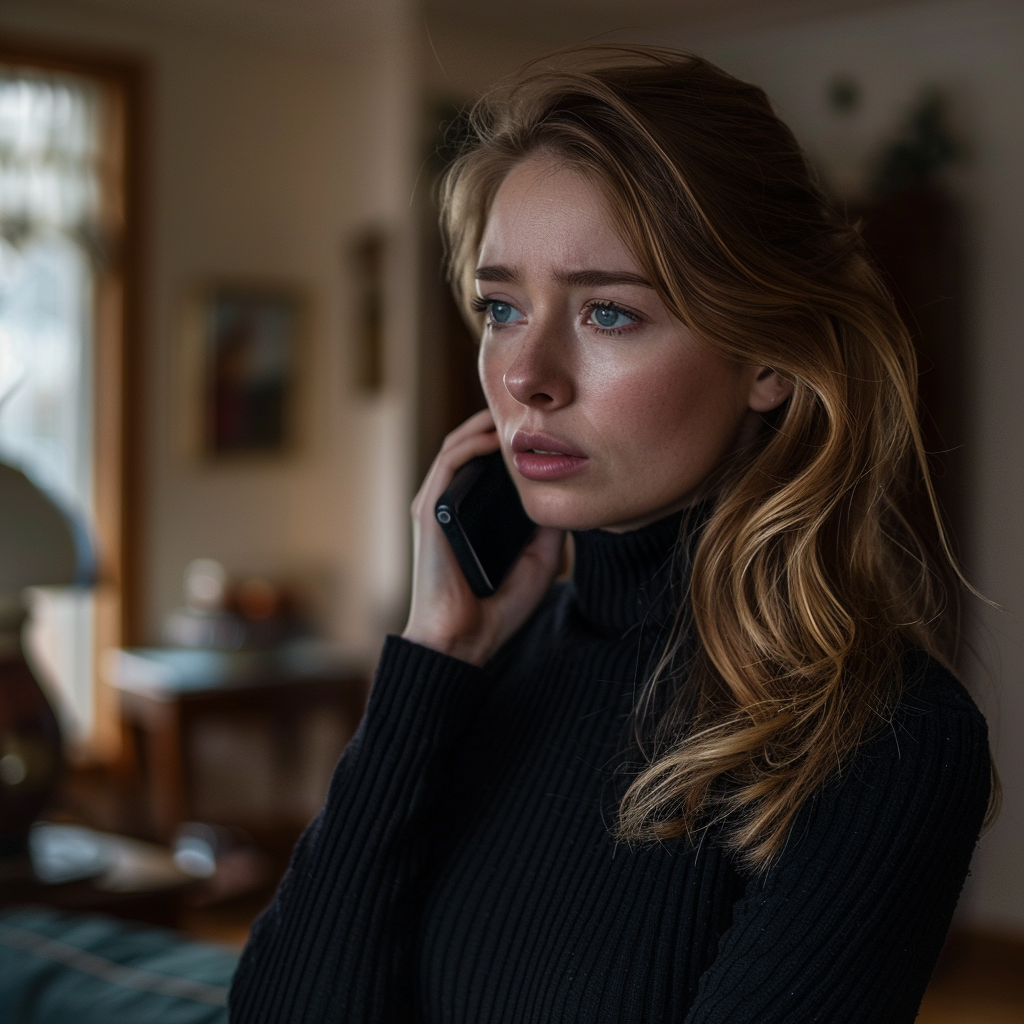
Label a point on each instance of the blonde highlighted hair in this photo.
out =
(823, 559)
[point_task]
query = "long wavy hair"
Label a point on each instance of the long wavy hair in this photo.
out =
(824, 558)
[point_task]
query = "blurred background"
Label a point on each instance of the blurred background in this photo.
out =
(226, 351)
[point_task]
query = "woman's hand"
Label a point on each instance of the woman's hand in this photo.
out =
(445, 614)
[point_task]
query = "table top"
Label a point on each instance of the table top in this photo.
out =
(170, 672)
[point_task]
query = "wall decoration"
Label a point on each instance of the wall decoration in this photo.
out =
(244, 354)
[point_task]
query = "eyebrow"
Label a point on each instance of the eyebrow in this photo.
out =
(500, 274)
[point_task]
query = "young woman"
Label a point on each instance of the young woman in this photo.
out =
(724, 773)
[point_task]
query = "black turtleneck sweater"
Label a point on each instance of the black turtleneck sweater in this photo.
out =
(462, 870)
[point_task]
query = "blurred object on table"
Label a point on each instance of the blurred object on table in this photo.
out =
(219, 614)
(70, 853)
(225, 859)
(76, 868)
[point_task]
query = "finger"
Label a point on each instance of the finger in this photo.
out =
(479, 425)
(446, 465)
(480, 422)
(450, 460)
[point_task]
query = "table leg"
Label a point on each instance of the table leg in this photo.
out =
(166, 769)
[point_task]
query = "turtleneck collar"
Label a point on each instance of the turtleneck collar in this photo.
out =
(623, 579)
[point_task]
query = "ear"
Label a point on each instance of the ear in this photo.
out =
(768, 390)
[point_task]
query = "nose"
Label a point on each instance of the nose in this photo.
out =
(539, 375)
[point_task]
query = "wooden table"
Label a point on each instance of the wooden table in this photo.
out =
(164, 692)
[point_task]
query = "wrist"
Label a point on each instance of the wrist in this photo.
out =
(473, 651)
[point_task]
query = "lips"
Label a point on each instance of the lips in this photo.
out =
(544, 444)
(542, 457)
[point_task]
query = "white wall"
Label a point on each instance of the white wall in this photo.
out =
(266, 154)
(975, 51)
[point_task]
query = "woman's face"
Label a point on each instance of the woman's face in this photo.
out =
(610, 413)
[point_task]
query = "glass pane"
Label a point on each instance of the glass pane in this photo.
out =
(48, 204)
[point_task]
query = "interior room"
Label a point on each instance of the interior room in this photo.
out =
(228, 356)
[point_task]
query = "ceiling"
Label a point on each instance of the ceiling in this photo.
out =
(300, 20)
(585, 18)
(331, 20)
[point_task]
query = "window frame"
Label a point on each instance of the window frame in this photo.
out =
(118, 372)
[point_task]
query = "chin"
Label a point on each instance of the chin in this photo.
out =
(567, 513)
(585, 512)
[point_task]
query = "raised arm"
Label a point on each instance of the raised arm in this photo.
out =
(848, 925)
(335, 943)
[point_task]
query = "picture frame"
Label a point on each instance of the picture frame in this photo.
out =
(242, 357)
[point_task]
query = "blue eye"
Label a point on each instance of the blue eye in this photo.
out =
(611, 317)
(498, 313)
(504, 313)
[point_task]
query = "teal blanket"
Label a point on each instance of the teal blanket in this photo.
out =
(59, 968)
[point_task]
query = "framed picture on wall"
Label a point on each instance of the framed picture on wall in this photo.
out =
(243, 350)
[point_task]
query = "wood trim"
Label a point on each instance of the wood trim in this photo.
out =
(48, 55)
(979, 976)
(119, 361)
(999, 948)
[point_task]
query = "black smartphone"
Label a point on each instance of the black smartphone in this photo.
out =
(484, 521)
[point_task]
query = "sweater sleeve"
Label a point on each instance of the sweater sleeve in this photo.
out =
(849, 922)
(335, 943)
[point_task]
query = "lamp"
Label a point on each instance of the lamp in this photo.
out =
(41, 544)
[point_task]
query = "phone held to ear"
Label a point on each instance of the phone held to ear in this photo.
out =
(484, 521)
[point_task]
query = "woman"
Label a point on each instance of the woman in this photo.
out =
(724, 773)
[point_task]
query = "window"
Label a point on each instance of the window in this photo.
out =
(63, 303)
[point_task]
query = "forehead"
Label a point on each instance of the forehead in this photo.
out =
(547, 214)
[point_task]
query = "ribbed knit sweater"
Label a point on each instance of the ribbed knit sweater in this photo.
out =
(463, 871)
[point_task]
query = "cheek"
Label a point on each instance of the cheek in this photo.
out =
(680, 405)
